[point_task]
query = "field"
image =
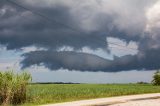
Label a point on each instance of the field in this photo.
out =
(54, 93)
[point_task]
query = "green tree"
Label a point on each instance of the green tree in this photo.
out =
(156, 78)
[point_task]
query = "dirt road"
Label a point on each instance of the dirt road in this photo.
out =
(132, 100)
(148, 102)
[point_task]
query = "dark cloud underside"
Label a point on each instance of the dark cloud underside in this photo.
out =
(88, 62)
(78, 24)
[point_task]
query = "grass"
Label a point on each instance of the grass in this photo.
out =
(54, 93)
(13, 87)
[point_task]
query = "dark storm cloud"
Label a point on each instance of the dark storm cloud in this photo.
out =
(82, 23)
(89, 25)
(89, 62)
(22, 28)
(66, 60)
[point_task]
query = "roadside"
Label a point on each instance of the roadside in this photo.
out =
(114, 101)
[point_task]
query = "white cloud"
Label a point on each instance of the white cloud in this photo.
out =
(122, 48)
(31, 48)
(153, 17)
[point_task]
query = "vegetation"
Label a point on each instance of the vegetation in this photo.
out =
(156, 78)
(53, 93)
(141, 82)
(13, 87)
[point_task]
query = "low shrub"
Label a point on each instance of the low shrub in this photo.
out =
(13, 87)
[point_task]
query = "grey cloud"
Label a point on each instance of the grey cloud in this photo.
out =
(91, 22)
(67, 60)
(87, 62)
(22, 28)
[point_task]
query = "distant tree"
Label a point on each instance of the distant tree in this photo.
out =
(141, 82)
(156, 78)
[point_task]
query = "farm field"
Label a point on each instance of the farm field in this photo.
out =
(55, 93)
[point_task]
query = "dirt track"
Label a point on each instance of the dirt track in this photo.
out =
(149, 102)
(132, 100)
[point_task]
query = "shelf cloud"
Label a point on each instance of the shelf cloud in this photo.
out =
(52, 24)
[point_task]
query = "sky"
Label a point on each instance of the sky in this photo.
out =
(86, 41)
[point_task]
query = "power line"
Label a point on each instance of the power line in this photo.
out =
(42, 15)
(55, 21)
(112, 47)
(121, 45)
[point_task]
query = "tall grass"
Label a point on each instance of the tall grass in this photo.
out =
(13, 87)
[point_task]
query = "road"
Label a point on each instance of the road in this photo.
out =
(131, 100)
(148, 102)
